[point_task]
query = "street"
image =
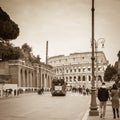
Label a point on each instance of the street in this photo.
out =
(44, 107)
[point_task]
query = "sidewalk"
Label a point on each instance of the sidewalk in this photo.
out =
(109, 114)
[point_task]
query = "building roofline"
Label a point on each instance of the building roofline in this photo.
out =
(72, 54)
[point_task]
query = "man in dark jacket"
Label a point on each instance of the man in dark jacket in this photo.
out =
(103, 96)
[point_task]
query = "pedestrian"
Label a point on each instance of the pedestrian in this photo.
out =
(115, 100)
(103, 96)
(15, 92)
(84, 91)
(87, 91)
(80, 89)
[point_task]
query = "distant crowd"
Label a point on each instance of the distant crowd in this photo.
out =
(81, 89)
(16, 92)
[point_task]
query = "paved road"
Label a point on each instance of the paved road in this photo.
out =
(44, 107)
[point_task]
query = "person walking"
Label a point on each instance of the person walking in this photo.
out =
(103, 96)
(115, 100)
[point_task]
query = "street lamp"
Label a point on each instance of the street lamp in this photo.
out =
(93, 106)
(97, 42)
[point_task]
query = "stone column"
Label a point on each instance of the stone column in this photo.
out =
(19, 76)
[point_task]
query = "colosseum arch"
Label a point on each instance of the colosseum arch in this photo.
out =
(84, 78)
(89, 78)
(79, 78)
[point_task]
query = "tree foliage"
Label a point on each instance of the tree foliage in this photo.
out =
(9, 52)
(8, 29)
(28, 55)
(35, 59)
(26, 48)
(109, 72)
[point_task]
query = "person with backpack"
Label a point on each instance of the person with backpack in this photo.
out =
(103, 96)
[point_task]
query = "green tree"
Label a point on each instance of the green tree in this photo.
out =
(8, 29)
(109, 72)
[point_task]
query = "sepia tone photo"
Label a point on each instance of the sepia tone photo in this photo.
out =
(59, 59)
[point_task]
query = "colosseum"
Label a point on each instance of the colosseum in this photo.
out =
(76, 68)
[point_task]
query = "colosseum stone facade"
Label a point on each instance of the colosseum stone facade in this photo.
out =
(76, 68)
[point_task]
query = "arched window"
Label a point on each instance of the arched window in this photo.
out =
(70, 79)
(99, 78)
(83, 78)
(89, 78)
(74, 70)
(79, 70)
(79, 78)
(74, 78)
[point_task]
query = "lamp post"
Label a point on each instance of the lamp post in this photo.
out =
(97, 42)
(93, 106)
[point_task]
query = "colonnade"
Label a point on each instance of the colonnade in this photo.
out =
(31, 77)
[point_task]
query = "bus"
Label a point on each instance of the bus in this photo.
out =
(58, 87)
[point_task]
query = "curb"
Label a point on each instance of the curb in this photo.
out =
(85, 117)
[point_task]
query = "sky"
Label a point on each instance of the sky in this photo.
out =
(66, 25)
